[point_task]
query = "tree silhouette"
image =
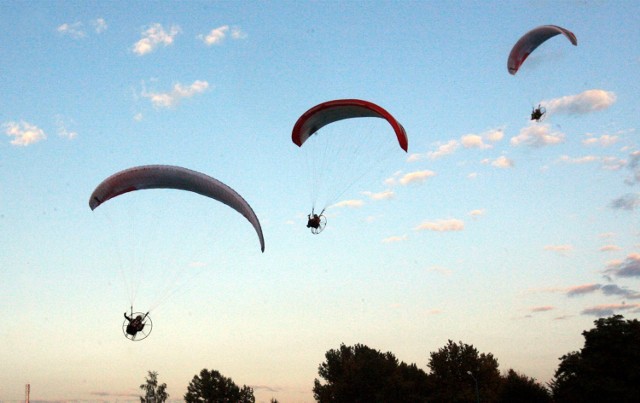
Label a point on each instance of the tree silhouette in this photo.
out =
(520, 388)
(455, 370)
(606, 369)
(212, 387)
(153, 393)
(361, 374)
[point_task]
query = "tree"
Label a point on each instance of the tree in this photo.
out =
(361, 374)
(212, 387)
(456, 369)
(520, 388)
(153, 393)
(607, 368)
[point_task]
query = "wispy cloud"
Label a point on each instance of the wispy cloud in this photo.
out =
(179, 92)
(76, 29)
(73, 30)
(628, 202)
(585, 102)
(99, 25)
(63, 126)
(609, 248)
(560, 249)
(630, 267)
(394, 239)
(604, 140)
(349, 203)
(409, 178)
(23, 133)
(452, 224)
(536, 136)
(217, 35)
(501, 162)
(545, 308)
(153, 37)
(477, 212)
(416, 177)
(581, 289)
(444, 149)
(384, 195)
(609, 309)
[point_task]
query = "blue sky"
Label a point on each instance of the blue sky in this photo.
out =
(509, 235)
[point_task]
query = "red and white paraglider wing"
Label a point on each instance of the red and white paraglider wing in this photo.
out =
(531, 40)
(328, 112)
(173, 177)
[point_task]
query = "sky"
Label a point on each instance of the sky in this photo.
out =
(493, 230)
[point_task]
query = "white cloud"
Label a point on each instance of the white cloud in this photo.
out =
(349, 203)
(217, 35)
(24, 133)
(579, 160)
(473, 141)
(73, 30)
(500, 162)
(452, 224)
(416, 177)
(585, 102)
(537, 136)
(100, 25)
(604, 140)
(394, 239)
(561, 249)
(476, 213)
(384, 195)
(63, 128)
(494, 135)
(609, 248)
(444, 149)
(154, 37)
(179, 91)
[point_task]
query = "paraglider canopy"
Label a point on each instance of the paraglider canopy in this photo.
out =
(173, 177)
(332, 111)
(531, 40)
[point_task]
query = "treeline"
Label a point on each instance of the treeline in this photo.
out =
(605, 369)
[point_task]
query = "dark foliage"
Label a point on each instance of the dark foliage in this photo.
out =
(606, 369)
(212, 387)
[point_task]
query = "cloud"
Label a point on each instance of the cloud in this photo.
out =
(612, 289)
(476, 212)
(561, 249)
(608, 309)
(501, 162)
(604, 140)
(630, 267)
(416, 177)
(62, 126)
(536, 136)
(473, 141)
(628, 202)
(349, 203)
(579, 160)
(441, 270)
(582, 289)
(99, 25)
(441, 225)
(24, 133)
(394, 239)
(585, 102)
(179, 91)
(74, 30)
(545, 308)
(217, 35)
(609, 248)
(444, 149)
(153, 37)
(384, 195)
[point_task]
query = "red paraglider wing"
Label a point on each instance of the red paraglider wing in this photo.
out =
(531, 40)
(328, 112)
(173, 177)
